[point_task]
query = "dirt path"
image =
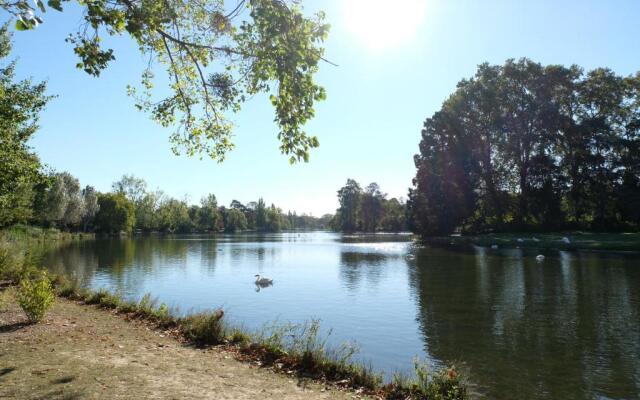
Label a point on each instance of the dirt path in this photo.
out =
(80, 352)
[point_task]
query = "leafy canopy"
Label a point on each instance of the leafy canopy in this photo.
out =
(216, 57)
(20, 169)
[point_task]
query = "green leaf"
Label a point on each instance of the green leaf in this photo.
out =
(22, 26)
(55, 4)
(40, 5)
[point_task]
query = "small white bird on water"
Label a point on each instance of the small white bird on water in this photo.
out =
(262, 280)
(540, 258)
(566, 240)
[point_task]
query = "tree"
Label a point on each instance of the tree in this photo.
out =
(116, 213)
(349, 198)
(215, 57)
(234, 220)
(63, 204)
(261, 215)
(524, 146)
(74, 201)
(275, 220)
(131, 187)
(208, 215)
(371, 207)
(147, 218)
(173, 216)
(90, 201)
(20, 105)
(394, 214)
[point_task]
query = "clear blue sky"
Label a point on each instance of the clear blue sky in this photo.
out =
(398, 61)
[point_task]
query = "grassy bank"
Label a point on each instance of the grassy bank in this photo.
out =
(298, 349)
(25, 234)
(576, 241)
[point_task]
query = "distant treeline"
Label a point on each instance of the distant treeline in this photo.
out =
(368, 210)
(59, 201)
(529, 147)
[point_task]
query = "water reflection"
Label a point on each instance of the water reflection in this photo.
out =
(567, 327)
(262, 285)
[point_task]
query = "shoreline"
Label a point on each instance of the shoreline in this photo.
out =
(577, 241)
(88, 352)
(308, 361)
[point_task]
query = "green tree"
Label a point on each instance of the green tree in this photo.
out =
(371, 208)
(116, 213)
(63, 205)
(261, 215)
(90, 201)
(173, 216)
(524, 146)
(131, 187)
(234, 220)
(348, 212)
(20, 105)
(147, 218)
(215, 55)
(394, 216)
(208, 216)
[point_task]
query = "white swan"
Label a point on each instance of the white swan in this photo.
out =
(263, 281)
(539, 258)
(566, 240)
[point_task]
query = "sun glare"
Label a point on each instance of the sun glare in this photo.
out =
(382, 24)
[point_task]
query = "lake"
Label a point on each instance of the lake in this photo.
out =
(564, 328)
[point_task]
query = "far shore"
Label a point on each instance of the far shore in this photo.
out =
(547, 241)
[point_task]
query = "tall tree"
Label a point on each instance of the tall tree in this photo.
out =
(526, 146)
(20, 105)
(90, 201)
(209, 216)
(215, 54)
(349, 199)
(261, 215)
(131, 187)
(116, 213)
(371, 207)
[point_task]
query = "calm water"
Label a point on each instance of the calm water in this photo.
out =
(567, 328)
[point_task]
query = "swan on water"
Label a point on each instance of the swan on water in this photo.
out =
(540, 258)
(566, 240)
(260, 280)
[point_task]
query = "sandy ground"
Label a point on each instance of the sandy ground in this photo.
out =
(80, 352)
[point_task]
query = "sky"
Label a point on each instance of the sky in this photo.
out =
(397, 62)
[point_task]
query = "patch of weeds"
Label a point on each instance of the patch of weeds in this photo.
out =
(304, 348)
(146, 305)
(203, 328)
(443, 384)
(237, 336)
(128, 307)
(68, 287)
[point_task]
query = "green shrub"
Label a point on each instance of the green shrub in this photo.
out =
(35, 296)
(204, 328)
